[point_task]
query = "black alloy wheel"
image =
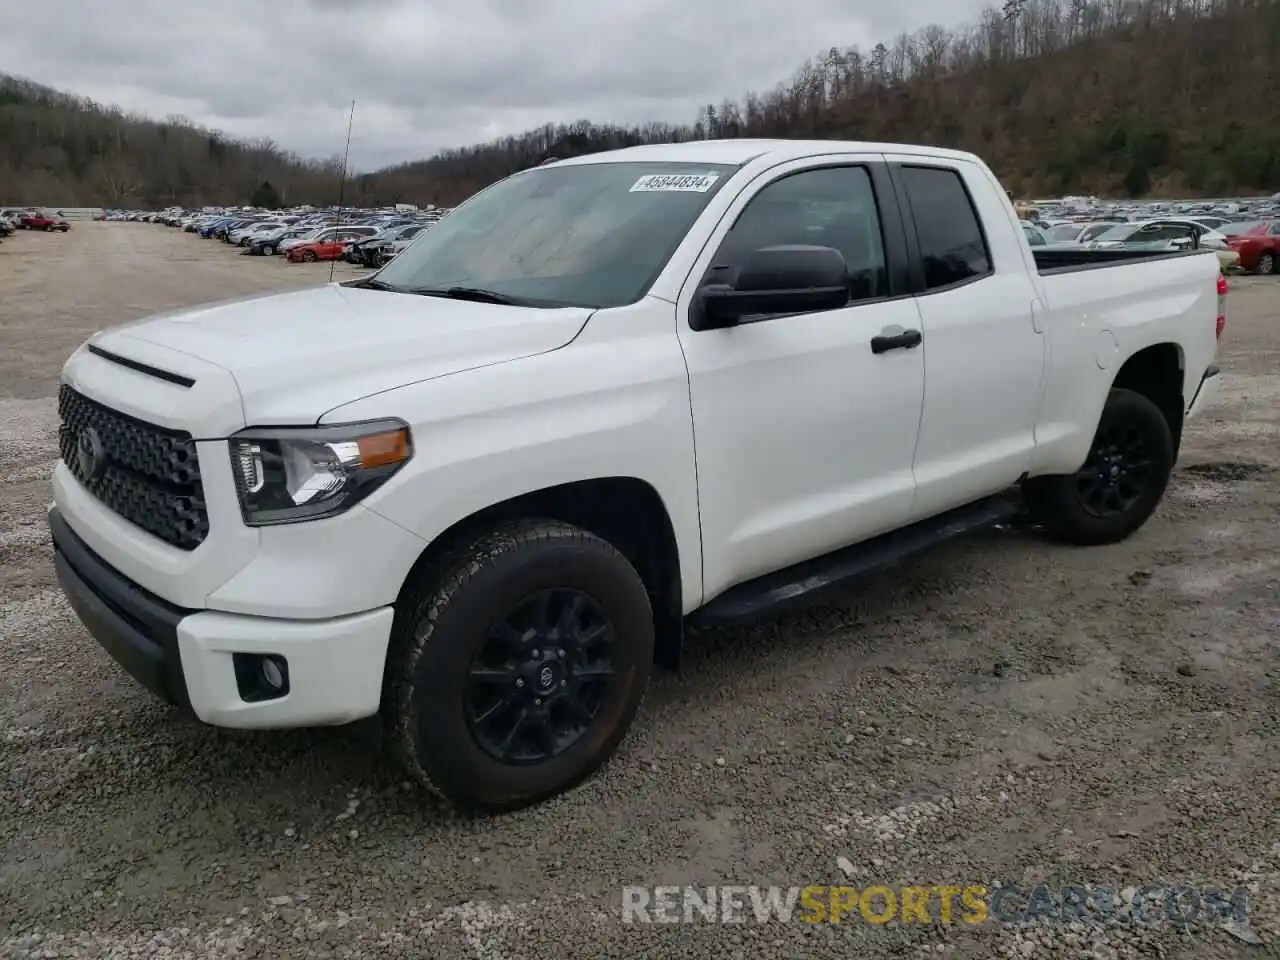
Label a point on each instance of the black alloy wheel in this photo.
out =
(517, 662)
(538, 680)
(1117, 471)
(1122, 481)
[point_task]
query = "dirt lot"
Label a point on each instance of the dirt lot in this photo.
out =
(1003, 710)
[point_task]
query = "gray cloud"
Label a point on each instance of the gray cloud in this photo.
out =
(430, 74)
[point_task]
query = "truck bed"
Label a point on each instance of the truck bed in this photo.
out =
(1071, 260)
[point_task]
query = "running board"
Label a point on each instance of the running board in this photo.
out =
(803, 582)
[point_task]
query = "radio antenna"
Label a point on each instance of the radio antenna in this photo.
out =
(342, 184)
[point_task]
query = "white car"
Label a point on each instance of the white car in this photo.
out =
(235, 236)
(249, 234)
(1155, 231)
(1078, 232)
(268, 242)
(1169, 232)
(481, 491)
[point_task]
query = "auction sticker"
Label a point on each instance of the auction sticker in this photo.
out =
(675, 183)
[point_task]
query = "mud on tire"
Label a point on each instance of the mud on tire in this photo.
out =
(517, 663)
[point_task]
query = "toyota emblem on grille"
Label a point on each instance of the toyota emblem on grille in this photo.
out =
(91, 458)
(546, 676)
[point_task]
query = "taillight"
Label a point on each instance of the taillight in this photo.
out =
(1222, 305)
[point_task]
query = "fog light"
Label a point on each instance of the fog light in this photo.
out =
(271, 674)
(260, 676)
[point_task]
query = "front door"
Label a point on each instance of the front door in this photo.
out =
(804, 436)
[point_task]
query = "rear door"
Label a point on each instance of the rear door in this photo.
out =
(804, 435)
(983, 358)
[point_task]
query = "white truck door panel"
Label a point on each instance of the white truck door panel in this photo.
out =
(984, 359)
(804, 437)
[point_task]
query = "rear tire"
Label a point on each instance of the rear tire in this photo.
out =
(1121, 482)
(1266, 264)
(538, 634)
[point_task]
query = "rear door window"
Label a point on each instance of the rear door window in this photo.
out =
(952, 245)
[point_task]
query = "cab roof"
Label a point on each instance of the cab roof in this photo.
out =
(742, 152)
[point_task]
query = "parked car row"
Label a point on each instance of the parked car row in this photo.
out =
(32, 218)
(1212, 213)
(365, 238)
(1250, 245)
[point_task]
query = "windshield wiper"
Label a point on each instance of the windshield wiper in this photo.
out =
(478, 294)
(372, 283)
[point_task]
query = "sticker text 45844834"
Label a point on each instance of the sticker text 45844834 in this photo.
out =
(675, 183)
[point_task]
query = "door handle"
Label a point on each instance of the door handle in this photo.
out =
(895, 338)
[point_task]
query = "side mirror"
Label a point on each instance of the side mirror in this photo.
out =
(784, 279)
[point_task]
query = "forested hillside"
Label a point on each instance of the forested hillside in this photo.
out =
(1111, 96)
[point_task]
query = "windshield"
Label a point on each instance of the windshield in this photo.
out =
(592, 235)
(1063, 232)
(1119, 232)
(1094, 230)
(1245, 226)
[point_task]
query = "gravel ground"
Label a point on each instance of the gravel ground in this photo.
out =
(1000, 710)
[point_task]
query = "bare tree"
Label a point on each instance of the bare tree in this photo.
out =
(1097, 95)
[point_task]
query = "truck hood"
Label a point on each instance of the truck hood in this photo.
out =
(295, 356)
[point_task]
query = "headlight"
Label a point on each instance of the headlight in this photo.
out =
(289, 474)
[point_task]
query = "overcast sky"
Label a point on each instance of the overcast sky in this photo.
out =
(430, 74)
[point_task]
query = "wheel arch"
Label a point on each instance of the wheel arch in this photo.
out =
(1157, 372)
(625, 511)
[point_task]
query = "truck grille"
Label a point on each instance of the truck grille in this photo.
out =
(147, 474)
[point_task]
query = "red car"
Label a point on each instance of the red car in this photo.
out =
(41, 221)
(1258, 244)
(311, 252)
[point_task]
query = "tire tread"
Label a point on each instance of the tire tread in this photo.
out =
(417, 614)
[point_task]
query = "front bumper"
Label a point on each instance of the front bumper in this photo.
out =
(137, 628)
(186, 657)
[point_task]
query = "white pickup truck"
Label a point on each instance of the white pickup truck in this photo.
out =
(481, 492)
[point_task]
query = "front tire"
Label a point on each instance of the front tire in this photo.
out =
(309, 256)
(516, 665)
(1121, 482)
